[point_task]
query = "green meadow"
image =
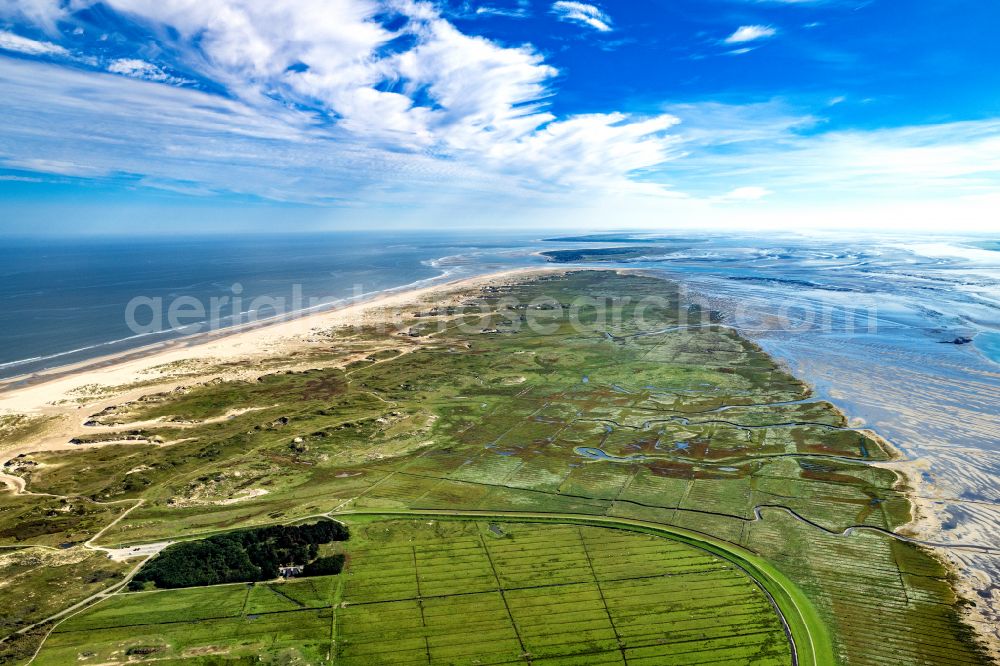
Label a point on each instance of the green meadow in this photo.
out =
(451, 592)
(587, 394)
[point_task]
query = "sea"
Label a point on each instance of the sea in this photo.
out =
(65, 301)
(901, 332)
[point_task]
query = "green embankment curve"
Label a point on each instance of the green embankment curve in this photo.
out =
(811, 641)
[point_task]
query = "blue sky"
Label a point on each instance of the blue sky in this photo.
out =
(164, 115)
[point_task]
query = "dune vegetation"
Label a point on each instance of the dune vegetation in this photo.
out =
(481, 457)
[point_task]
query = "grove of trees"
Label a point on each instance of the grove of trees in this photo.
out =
(243, 556)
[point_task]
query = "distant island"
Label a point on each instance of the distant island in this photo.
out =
(600, 238)
(596, 254)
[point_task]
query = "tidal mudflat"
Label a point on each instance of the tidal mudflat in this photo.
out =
(899, 334)
(453, 443)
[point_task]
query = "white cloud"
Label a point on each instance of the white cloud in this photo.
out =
(486, 94)
(440, 93)
(591, 151)
(732, 126)
(768, 144)
(750, 33)
(21, 179)
(69, 122)
(749, 193)
(944, 157)
(11, 42)
(419, 94)
(582, 13)
(85, 124)
(522, 10)
(42, 13)
(140, 69)
(501, 11)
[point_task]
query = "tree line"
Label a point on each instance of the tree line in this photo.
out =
(244, 556)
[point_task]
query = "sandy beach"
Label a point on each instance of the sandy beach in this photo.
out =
(65, 396)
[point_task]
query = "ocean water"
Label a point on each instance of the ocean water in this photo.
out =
(989, 345)
(67, 301)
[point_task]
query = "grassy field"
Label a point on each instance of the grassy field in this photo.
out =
(37, 582)
(445, 592)
(585, 394)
